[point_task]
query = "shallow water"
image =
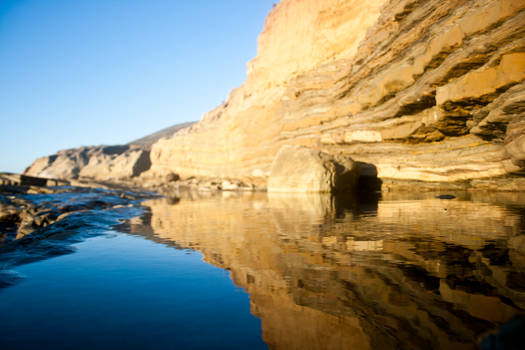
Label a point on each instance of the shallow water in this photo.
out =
(124, 292)
(408, 271)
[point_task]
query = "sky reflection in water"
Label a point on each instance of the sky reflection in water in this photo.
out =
(124, 292)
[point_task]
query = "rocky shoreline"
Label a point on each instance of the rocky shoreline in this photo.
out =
(31, 204)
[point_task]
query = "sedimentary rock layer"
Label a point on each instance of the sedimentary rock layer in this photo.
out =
(418, 89)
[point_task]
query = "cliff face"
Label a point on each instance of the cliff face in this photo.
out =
(95, 162)
(423, 90)
(103, 163)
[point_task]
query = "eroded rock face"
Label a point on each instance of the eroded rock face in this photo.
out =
(301, 169)
(515, 142)
(102, 163)
(96, 162)
(424, 90)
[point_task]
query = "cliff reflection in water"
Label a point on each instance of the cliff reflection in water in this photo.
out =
(329, 273)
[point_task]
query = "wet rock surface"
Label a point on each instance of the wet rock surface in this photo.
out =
(171, 184)
(38, 222)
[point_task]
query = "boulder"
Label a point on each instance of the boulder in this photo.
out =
(302, 169)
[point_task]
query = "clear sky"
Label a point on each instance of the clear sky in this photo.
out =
(88, 72)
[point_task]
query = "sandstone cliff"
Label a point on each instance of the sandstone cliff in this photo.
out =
(95, 162)
(417, 89)
(103, 163)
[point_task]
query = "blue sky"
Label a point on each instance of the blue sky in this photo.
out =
(86, 72)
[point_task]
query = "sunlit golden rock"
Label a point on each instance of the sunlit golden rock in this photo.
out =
(402, 85)
(96, 162)
(301, 169)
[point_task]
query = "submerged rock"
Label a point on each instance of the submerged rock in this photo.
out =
(301, 169)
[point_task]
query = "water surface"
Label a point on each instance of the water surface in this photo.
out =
(123, 292)
(286, 272)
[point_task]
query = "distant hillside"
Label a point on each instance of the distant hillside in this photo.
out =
(101, 162)
(149, 140)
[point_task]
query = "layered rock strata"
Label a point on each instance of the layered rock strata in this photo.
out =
(418, 89)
